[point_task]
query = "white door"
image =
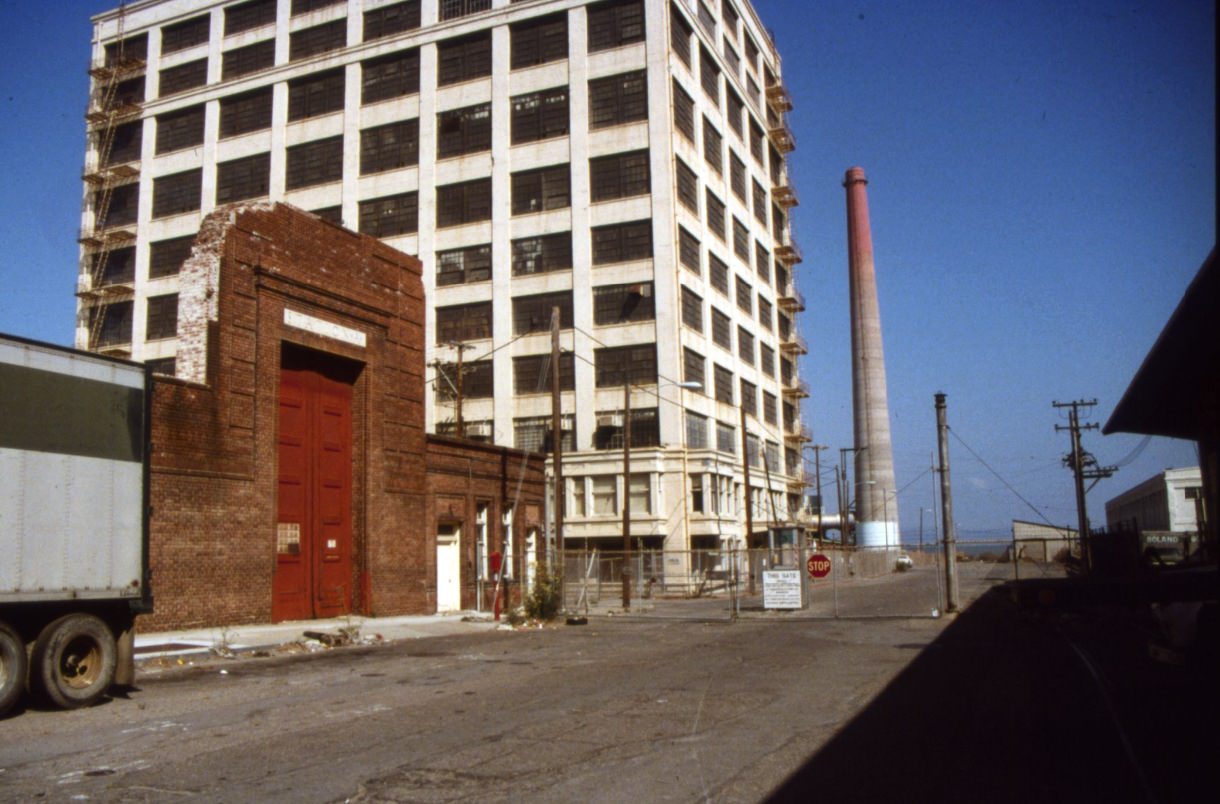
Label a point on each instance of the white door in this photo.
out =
(531, 558)
(448, 568)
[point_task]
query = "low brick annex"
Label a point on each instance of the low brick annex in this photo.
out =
(268, 280)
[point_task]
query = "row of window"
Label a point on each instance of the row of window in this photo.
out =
(532, 42)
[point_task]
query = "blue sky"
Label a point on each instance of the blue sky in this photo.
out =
(1042, 189)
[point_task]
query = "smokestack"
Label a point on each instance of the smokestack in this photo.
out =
(876, 495)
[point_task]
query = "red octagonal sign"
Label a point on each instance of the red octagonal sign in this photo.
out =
(818, 565)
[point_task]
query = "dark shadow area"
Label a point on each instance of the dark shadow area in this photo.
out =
(1029, 696)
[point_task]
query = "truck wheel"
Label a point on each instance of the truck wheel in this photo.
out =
(73, 661)
(13, 667)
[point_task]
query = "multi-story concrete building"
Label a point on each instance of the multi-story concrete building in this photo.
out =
(1170, 501)
(623, 161)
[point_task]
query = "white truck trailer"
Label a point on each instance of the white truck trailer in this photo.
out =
(74, 451)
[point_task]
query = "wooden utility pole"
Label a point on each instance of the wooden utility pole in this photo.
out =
(1084, 467)
(817, 468)
(745, 473)
(459, 428)
(946, 507)
(557, 437)
(626, 493)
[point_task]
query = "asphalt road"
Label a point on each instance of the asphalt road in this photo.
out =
(996, 705)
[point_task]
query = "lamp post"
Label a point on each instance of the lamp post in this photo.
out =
(627, 480)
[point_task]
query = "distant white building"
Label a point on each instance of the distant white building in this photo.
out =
(1041, 542)
(1168, 501)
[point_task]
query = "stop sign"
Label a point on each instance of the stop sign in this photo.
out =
(818, 566)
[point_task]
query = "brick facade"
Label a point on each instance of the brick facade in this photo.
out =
(263, 278)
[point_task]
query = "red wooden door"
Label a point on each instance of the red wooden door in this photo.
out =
(313, 572)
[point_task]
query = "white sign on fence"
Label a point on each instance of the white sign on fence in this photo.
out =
(782, 589)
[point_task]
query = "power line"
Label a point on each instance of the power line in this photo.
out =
(998, 477)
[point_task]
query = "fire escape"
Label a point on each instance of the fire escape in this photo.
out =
(116, 98)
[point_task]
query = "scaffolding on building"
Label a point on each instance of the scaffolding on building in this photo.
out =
(108, 109)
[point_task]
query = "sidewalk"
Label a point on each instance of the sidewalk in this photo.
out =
(355, 630)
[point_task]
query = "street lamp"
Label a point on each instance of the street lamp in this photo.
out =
(627, 386)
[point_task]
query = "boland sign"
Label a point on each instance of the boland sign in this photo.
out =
(818, 566)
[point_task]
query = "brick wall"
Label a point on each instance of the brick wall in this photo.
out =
(214, 461)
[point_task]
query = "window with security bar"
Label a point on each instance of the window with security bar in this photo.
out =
(680, 32)
(125, 199)
(118, 268)
(692, 309)
(753, 455)
(305, 6)
(248, 59)
(538, 41)
(696, 430)
(534, 433)
(688, 186)
(741, 240)
(621, 242)
(185, 34)
(722, 330)
(244, 113)
(745, 345)
(776, 163)
(706, 17)
(478, 380)
(390, 215)
(729, 16)
(464, 202)
(179, 129)
(313, 163)
(461, 266)
(771, 454)
(760, 203)
(765, 316)
(389, 20)
(240, 179)
(616, 365)
(689, 251)
(539, 116)
(127, 142)
(693, 365)
(330, 214)
(770, 408)
(314, 95)
(715, 215)
(718, 273)
(127, 49)
(128, 92)
(173, 194)
(756, 142)
(162, 321)
(532, 373)
(645, 429)
(247, 16)
(452, 9)
(541, 189)
(713, 147)
(766, 360)
(709, 76)
(463, 59)
(749, 397)
(615, 23)
(723, 384)
(182, 77)
(542, 254)
(762, 262)
(114, 328)
(787, 371)
(736, 112)
(737, 176)
(619, 175)
(392, 76)
(165, 257)
(745, 297)
(622, 304)
(618, 99)
(684, 113)
(463, 322)
(463, 131)
(752, 52)
(389, 147)
(779, 224)
(726, 438)
(533, 313)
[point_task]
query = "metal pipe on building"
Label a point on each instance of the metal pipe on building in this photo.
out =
(877, 520)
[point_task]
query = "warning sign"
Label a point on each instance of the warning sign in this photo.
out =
(782, 589)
